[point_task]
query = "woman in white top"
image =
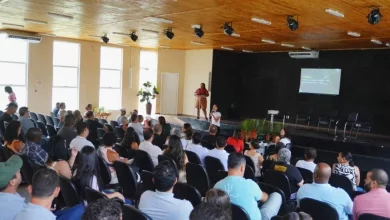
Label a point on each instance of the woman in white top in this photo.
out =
(284, 136)
(215, 116)
(256, 157)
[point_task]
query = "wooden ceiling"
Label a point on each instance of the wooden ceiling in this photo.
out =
(317, 29)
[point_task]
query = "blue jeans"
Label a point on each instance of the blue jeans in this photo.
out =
(71, 213)
(271, 207)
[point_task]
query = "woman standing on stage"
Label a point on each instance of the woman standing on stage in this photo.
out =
(201, 95)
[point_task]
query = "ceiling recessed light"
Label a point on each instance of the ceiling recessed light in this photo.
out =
(226, 48)
(287, 45)
(261, 21)
(306, 48)
(164, 46)
(247, 51)
(375, 41)
(10, 24)
(54, 14)
(353, 34)
(150, 31)
(387, 44)
(235, 35)
(120, 33)
(34, 21)
(268, 41)
(334, 13)
(158, 20)
(197, 43)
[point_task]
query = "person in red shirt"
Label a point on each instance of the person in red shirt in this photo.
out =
(201, 95)
(236, 141)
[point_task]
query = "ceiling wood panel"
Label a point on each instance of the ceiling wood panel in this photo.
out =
(318, 30)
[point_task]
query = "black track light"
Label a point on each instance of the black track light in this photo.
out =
(199, 32)
(168, 32)
(133, 37)
(374, 17)
(292, 23)
(105, 39)
(228, 28)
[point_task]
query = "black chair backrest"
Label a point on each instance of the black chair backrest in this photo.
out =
(103, 121)
(49, 120)
(34, 116)
(367, 216)
(56, 148)
(114, 123)
(341, 182)
(279, 180)
(163, 157)
(43, 128)
(143, 161)
(222, 174)
(109, 127)
(15, 117)
(238, 213)
(105, 172)
(318, 210)
(123, 152)
(249, 173)
(51, 130)
(147, 181)
(42, 119)
(100, 133)
(208, 145)
(288, 146)
(249, 162)
(306, 174)
(193, 157)
(56, 122)
(69, 192)
(131, 213)
(119, 132)
(92, 195)
(212, 166)
(126, 178)
(27, 170)
(52, 115)
(353, 116)
(197, 177)
(230, 149)
(272, 189)
(187, 192)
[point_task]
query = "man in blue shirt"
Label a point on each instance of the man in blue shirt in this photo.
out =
(11, 203)
(321, 190)
(246, 193)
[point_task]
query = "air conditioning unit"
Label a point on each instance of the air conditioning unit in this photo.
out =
(304, 54)
(21, 35)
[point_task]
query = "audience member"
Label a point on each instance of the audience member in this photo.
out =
(137, 127)
(140, 119)
(272, 151)
(62, 111)
(56, 109)
(236, 141)
(135, 111)
(63, 167)
(322, 191)
(176, 131)
(308, 163)
(166, 128)
(161, 205)
(218, 198)
(67, 131)
(255, 157)
(88, 108)
(211, 137)
(294, 216)
(197, 148)
(148, 147)
(44, 189)
(292, 173)
(25, 120)
(7, 115)
(376, 201)
(215, 116)
(176, 152)
(11, 143)
(93, 126)
(219, 152)
(11, 203)
(87, 173)
(33, 149)
(11, 94)
(130, 142)
(81, 140)
(103, 209)
(158, 139)
(246, 193)
(77, 115)
(284, 136)
(187, 133)
(205, 211)
(346, 167)
(121, 116)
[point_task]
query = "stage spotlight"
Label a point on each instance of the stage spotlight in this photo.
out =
(228, 29)
(133, 37)
(199, 32)
(105, 39)
(292, 23)
(374, 17)
(168, 32)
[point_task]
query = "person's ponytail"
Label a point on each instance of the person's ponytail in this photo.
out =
(351, 163)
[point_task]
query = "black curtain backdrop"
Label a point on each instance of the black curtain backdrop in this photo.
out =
(247, 85)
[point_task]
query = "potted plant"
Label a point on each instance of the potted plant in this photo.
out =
(147, 93)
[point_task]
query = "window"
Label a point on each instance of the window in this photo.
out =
(66, 63)
(13, 70)
(110, 78)
(148, 72)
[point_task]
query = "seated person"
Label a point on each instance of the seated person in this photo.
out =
(218, 198)
(93, 126)
(121, 116)
(211, 137)
(255, 157)
(346, 167)
(195, 147)
(103, 209)
(148, 147)
(67, 131)
(161, 205)
(292, 173)
(176, 152)
(7, 115)
(187, 133)
(219, 152)
(11, 203)
(12, 145)
(121, 129)
(322, 191)
(129, 144)
(177, 132)
(308, 163)
(376, 201)
(246, 193)
(236, 141)
(205, 211)
(25, 120)
(137, 127)
(33, 149)
(166, 127)
(158, 139)
(82, 133)
(284, 136)
(62, 167)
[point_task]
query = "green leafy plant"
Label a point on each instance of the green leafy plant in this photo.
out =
(148, 92)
